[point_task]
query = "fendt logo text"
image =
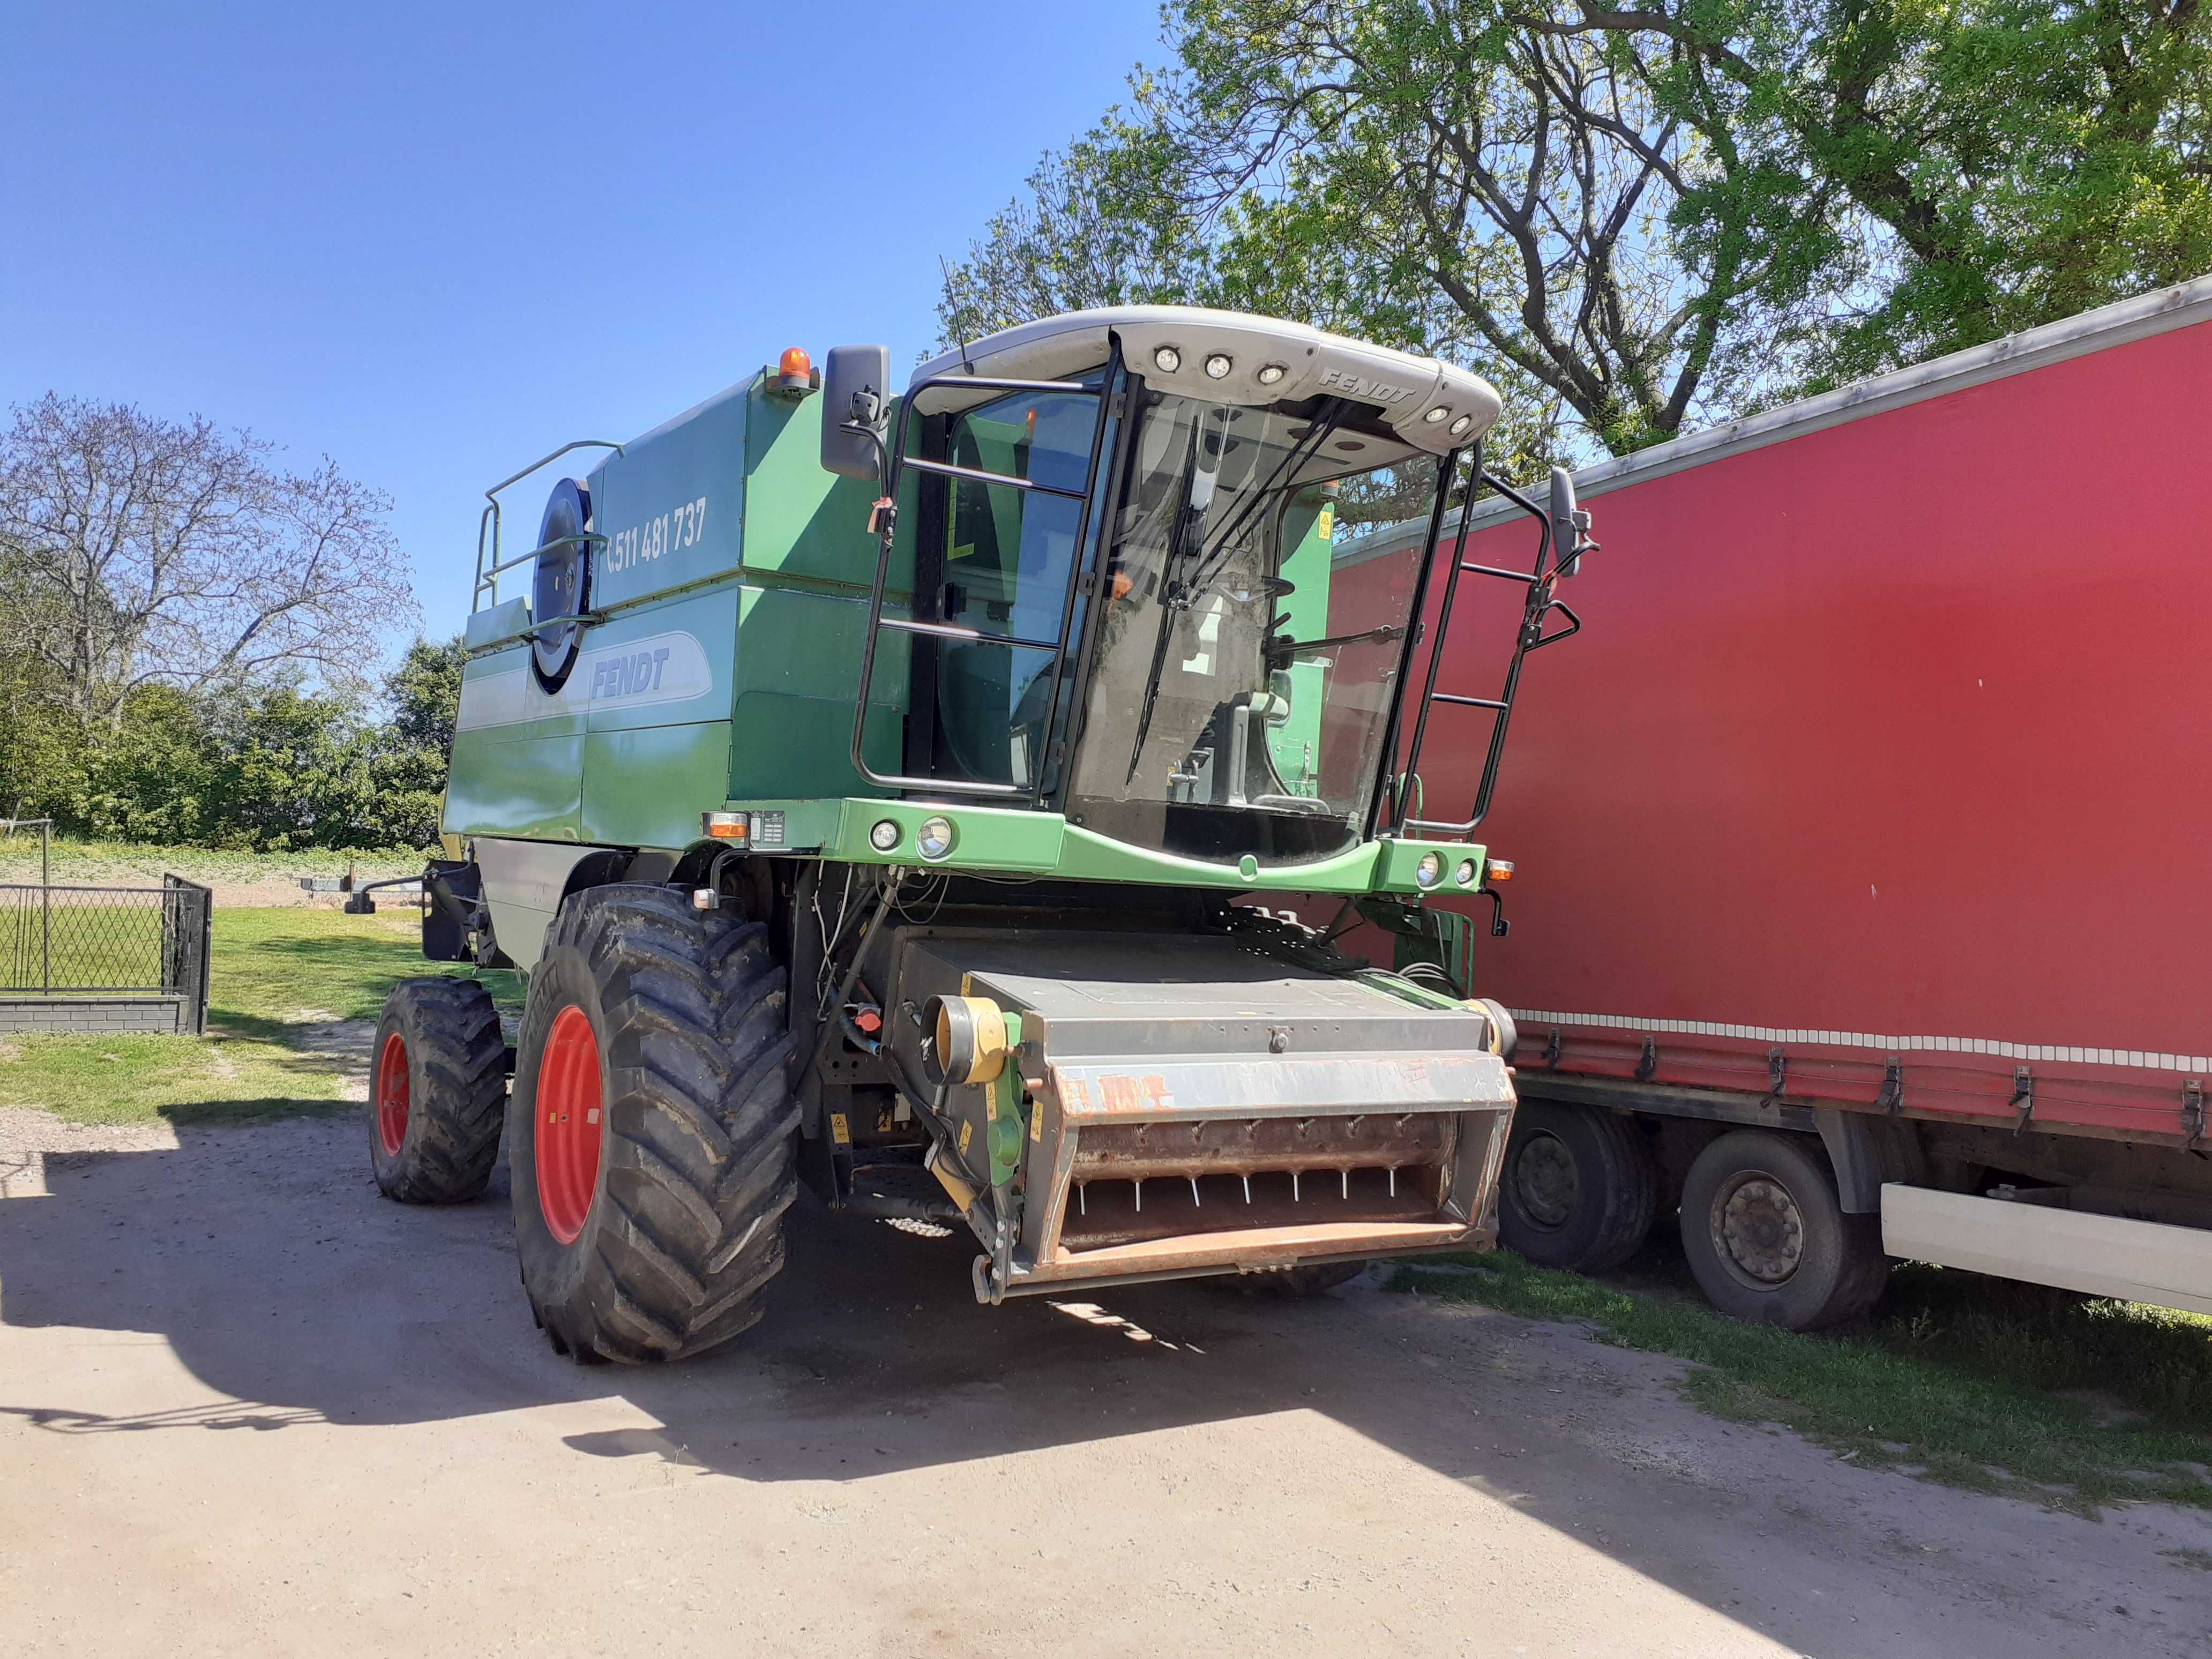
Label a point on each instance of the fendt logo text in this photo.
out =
(1367, 391)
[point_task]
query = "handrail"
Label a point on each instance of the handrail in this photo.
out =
(586, 538)
(488, 519)
(1541, 584)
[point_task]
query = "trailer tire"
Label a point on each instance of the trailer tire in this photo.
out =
(1767, 1237)
(437, 1085)
(1578, 1190)
(651, 1137)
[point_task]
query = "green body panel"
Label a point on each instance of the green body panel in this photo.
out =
(1011, 839)
(809, 565)
(799, 656)
(805, 527)
(519, 777)
(639, 785)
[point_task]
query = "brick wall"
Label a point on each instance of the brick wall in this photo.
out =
(24, 1015)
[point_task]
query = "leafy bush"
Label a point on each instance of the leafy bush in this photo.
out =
(275, 767)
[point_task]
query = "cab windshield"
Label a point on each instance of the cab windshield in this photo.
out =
(1244, 665)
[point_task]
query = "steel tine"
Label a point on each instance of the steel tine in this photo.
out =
(1344, 1178)
(1394, 1181)
(1083, 1198)
(1140, 1196)
(1294, 1186)
(1248, 1188)
(1195, 1203)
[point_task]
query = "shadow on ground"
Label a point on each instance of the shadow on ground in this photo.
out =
(265, 1259)
(279, 1276)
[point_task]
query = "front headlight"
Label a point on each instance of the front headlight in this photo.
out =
(886, 835)
(934, 839)
(1429, 871)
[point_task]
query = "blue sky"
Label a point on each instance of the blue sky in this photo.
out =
(435, 242)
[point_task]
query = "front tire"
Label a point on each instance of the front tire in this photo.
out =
(1768, 1239)
(437, 1083)
(1577, 1190)
(650, 1143)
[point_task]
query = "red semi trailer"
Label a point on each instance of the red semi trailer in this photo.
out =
(1864, 900)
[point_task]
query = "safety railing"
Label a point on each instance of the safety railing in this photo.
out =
(487, 534)
(1540, 602)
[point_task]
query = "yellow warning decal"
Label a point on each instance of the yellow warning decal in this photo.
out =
(839, 1130)
(967, 1135)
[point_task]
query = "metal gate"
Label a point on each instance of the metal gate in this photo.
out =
(105, 958)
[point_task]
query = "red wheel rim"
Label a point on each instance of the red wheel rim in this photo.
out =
(391, 1094)
(570, 1124)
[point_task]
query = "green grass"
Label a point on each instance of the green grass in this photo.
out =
(277, 979)
(1971, 1382)
(137, 1080)
(275, 969)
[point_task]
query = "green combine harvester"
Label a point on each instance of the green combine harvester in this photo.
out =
(901, 797)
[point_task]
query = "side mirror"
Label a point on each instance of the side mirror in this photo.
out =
(1570, 524)
(856, 410)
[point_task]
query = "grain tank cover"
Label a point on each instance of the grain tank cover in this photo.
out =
(1431, 406)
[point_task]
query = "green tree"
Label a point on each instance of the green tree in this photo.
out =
(1634, 217)
(414, 746)
(2010, 163)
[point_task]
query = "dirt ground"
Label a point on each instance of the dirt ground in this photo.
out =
(247, 1406)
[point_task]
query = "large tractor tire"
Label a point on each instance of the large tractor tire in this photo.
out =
(1767, 1237)
(438, 1087)
(1577, 1190)
(651, 1141)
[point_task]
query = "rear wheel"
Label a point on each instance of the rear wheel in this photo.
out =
(651, 1139)
(1577, 1190)
(437, 1084)
(1768, 1239)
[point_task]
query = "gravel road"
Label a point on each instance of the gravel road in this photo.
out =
(247, 1406)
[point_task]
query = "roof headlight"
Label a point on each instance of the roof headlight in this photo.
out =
(885, 836)
(1459, 426)
(1272, 373)
(934, 839)
(1167, 360)
(1438, 414)
(1218, 365)
(1429, 871)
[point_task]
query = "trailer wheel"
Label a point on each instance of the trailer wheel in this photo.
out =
(651, 1137)
(1577, 1191)
(1768, 1239)
(437, 1083)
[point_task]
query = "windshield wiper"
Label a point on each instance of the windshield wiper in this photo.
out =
(1280, 651)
